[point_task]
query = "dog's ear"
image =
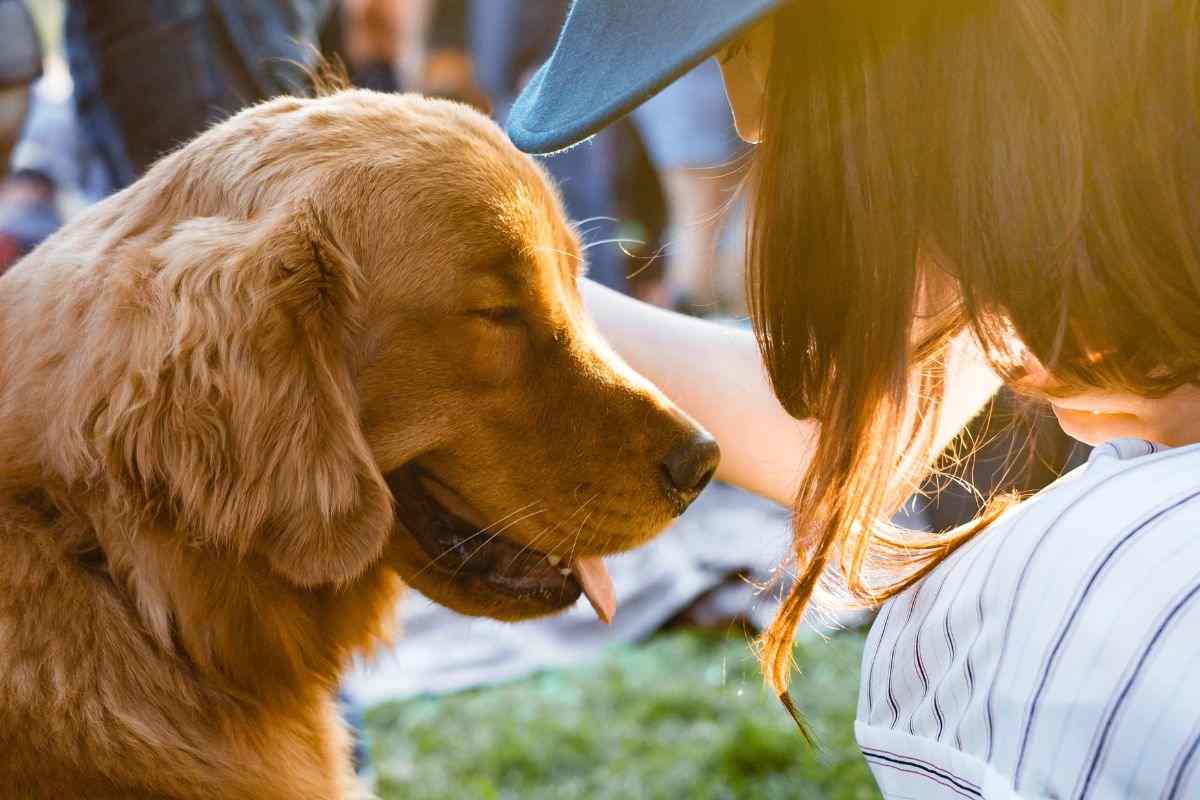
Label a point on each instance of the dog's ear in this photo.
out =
(240, 409)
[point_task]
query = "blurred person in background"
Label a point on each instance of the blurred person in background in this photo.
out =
(372, 37)
(55, 173)
(405, 46)
(689, 135)
(20, 66)
(151, 75)
(507, 40)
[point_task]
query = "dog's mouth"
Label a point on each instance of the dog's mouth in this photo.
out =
(479, 557)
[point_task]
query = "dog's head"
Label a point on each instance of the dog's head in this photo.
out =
(358, 336)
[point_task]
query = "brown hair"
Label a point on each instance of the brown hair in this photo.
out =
(1024, 172)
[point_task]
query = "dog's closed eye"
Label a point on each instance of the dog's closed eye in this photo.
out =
(501, 315)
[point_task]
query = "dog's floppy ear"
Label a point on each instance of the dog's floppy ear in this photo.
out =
(240, 409)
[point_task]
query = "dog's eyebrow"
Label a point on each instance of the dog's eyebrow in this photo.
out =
(507, 265)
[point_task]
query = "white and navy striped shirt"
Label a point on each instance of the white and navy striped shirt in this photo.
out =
(1057, 655)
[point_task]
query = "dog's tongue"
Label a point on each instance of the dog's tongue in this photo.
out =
(597, 585)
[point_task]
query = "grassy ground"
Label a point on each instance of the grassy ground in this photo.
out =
(684, 716)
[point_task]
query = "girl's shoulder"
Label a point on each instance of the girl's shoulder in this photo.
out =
(1125, 482)
(1053, 648)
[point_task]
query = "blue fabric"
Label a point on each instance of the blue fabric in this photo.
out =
(52, 147)
(352, 713)
(507, 38)
(28, 225)
(21, 56)
(689, 125)
(613, 55)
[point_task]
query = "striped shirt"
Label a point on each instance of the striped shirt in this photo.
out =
(1058, 654)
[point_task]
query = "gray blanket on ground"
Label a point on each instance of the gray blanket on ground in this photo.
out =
(726, 532)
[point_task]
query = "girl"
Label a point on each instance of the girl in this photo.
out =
(943, 186)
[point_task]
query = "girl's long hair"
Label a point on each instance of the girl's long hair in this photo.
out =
(1023, 173)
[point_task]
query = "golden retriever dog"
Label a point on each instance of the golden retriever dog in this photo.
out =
(330, 348)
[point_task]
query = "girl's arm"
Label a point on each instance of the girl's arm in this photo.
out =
(715, 374)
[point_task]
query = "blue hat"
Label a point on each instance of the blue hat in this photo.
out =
(613, 55)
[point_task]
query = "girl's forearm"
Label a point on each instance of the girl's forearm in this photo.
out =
(715, 374)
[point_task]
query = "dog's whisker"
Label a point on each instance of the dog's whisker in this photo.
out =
(531, 543)
(550, 530)
(450, 550)
(493, 537)
(597, 218)
(520, 519)
(575, 539)
(578, 508)
(479, 533)
(563, 521)
(556, 251)
(582, 506)
(615, 240)
(489, 539)
(472, 537)
(507, 516)
(474, 553)
(583, 525)
(650, 259)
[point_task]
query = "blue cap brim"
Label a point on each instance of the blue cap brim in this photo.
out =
(613, 55)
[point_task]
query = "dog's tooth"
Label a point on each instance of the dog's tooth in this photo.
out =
(553, 559)
(564, 571)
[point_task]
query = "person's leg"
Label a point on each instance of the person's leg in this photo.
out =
(14, 104)
(689, 135)
(51, 174)
(699, 201)
(20, 66)
(731, 260)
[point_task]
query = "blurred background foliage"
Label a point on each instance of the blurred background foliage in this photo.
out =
(683, 716)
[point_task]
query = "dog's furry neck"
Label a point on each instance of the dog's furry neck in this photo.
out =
(146, 649)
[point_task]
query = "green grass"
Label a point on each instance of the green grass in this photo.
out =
(684, 716)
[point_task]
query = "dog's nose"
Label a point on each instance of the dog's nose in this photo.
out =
(690, 466)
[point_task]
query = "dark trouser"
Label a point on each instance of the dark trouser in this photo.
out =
(151, 75)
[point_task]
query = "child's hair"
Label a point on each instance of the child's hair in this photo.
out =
(1026, 172)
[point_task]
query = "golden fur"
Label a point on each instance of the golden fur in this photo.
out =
(209, 383)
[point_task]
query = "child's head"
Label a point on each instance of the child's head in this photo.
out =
(1034, 163)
